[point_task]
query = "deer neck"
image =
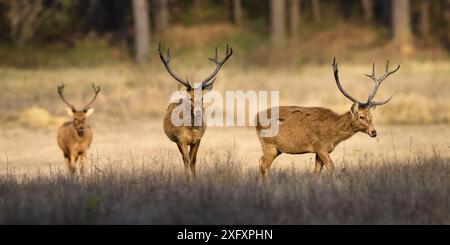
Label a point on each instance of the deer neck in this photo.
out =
(343, 127)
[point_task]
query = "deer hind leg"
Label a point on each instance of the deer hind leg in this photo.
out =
(269, 154)
(193, 156)
(318, 166)
(326, 160)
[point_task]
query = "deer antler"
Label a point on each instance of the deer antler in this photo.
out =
(166, 61)
(209, 80)
(378, 83)
(60, 92)
(96, 91)
(336, 77)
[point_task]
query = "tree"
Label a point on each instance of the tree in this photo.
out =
(294, 18)
(237, 12)
(278, 20)
(162, 15)
(24, 19)
(316, 10)
(367, 6)
(141, 30)
(401, 22)
(226, 13)
(197, 8)
(424, 21)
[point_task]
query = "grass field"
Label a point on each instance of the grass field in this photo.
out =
(414, 191)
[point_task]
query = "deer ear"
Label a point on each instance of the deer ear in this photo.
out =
(70, 112)
(354, 109)
(89, 112)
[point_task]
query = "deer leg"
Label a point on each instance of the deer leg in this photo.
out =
(185, 154)
(193, 156)
(82, 162)
(318, 166)
(71, 164)
(326, 160)
(269, 154)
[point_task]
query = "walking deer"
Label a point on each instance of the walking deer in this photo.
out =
(318, 130)
(75, 136)
(189, 136)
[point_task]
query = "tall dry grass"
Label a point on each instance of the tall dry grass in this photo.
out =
(411, 191)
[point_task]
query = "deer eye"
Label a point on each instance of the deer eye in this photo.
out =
(361, 117)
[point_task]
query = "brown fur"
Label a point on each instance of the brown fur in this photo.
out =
(312, 130)
(318, 130)
(187, 138)
(74, 139)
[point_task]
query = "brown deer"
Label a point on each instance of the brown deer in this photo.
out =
(75, 136)
(318, 130)
(188, 137)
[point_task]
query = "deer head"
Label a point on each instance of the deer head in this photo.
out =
(79, 116)
(361, 116)
(206, 84)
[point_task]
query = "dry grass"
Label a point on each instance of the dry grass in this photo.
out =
(421, 90)
(414, 191)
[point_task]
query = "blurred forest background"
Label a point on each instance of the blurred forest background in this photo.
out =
(85, 32)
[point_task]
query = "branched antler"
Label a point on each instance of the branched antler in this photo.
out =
(60, 92)
(166, 61)
(96, 91)
(210, 80)
(336, 77)
(378, 83)
(369, 102)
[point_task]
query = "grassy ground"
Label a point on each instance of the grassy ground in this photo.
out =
(149, 192)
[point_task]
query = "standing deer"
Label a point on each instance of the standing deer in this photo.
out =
(189, 136)
(75, 137)
(318, 130)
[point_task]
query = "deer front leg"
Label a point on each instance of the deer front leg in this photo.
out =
(82, 162)
(185, 155)
(71, 164)
(193, 156)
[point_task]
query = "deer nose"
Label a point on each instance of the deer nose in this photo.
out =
(373, 133)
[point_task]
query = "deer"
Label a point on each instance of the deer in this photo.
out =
(188, 137)
(319, 130)
(75, 137)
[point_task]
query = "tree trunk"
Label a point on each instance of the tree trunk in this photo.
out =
(197, 8)
(162, 15)
(141, 30)
(278, 20)
(424, 21)
(316, 10)
(237, 12)
(294, 7)
(401, 22)
(367, 6)
(227, 7)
